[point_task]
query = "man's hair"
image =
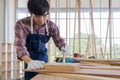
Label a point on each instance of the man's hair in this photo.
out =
(38, 7)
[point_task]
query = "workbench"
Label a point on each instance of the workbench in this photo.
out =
(85, 72)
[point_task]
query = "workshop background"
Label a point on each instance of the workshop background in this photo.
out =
(90, 27)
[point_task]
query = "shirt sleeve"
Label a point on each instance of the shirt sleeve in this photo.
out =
(20, 40)
(55, 34)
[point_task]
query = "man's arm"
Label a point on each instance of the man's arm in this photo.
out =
(26, 59)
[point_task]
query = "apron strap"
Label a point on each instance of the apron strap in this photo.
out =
(46, 25)
(31, 24)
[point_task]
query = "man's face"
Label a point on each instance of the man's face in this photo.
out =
(40, 19)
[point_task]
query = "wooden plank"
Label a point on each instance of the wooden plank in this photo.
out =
(9, 75)
(6, 56)
(50, 77)
(18, 74)
(102, 61)
(4, 46)
(101, 67)
(83, 77)
(6, 75)
(75, 76)
(94, 72)
(62, 66)
(94, 52)
(6, 64)
(0, 72)
(3, 75)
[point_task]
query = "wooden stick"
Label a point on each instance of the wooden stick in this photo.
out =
(79, 34)
(93, 32)
(66, 20)
(48, 44)
(74, 27)
(56, 10)
(108, 26)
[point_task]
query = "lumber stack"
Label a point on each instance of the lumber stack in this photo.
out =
(58, 76)
(10, 65)
(90, 71)
(100, 61)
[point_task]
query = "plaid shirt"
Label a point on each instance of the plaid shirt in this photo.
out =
(23, 29)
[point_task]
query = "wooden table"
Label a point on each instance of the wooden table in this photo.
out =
(86, 72)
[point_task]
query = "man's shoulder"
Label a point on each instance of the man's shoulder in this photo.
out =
(50, 22)
(24, 20)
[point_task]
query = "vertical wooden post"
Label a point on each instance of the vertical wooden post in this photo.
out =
(74, 27)
(66, 21)
(48, 44)
(9, 62)
(108, 26)
(79, 27)
(4, 62)
(110, 32)
(56, 17)
(93, 32)
(0, 72)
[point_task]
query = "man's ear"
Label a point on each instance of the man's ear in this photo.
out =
(30, 12)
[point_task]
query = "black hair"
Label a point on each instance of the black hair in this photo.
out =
(38, 7)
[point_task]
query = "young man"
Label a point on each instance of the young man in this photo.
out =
(31, 35)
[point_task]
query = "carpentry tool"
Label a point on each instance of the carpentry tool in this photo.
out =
(64, 56)
(67, 60)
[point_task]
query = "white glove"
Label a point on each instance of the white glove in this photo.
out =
(66, 49)
(35, 64)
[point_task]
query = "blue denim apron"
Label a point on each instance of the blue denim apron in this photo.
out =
(36, 47)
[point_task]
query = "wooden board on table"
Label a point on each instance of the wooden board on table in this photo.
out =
(101, 61)
(50, 77)
(62, 66)
(100, 72)
(102, 67)
(83, 77)
(94, 72)
(58, 76)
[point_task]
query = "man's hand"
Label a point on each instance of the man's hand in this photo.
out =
(66, 49)
(35, 64)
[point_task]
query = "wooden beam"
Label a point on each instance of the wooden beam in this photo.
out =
(62, 66)
(67, 20)
(79, 26)
(93, 32)
(74, 27)
(69, 77)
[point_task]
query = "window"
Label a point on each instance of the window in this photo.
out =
(99, 34)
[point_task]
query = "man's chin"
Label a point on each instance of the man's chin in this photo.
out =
(40, 24)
